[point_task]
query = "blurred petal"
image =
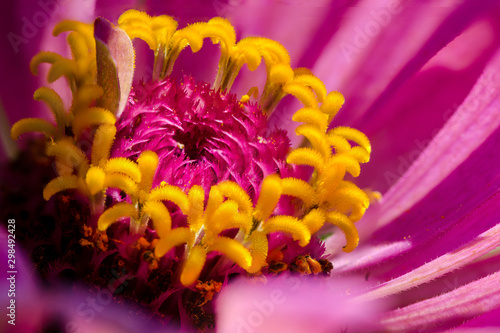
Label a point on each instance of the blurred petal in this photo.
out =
(23, 289)
(475, 330)
(294, 304)
(29, 26)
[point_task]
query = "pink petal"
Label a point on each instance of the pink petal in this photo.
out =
(413, 34)
(451, 261)
(294, 304)
(449, 309)
(463, 206)
(24, 287)
(465, 187)
(411, 113)
(474, 330)
(467, 129)
(487, 321)
(391, 96)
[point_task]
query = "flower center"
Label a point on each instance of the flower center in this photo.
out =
(200, 174)
(201, 136)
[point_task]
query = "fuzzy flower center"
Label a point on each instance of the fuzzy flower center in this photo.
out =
(198, 171)
(201, 136)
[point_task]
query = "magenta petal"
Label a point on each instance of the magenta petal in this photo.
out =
(464, 187)
(467, 129)
(454, 213)
(475, 330)
(414, 33)
(489, 320)
(416, 110)
(449, 309)
(451, 261)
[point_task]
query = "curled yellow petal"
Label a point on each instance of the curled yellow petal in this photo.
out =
(307, 156)
(348, 195)
(70, 155)
(196, 197)
(233, 191)
(291, 225)
(32, 125)
(258, 251)
(318, 139)
(354, 135)
(173, 238)
(299, 189)
(41, 58)
(215, 199)
(193, 265)
(60, 184)
(86, 30)
(64, 67)
(347, 227)
(118, 211)
(332, 103)
(340, 144)
(102, 142)
(222, 216)
(54, 102)
(270, 193)
(92, 116)
(314, 83)
(314, 220)
(160, 215)
(121, 182)
(360, 154)
(171, 193)
(280, 73)
(313, 117)
(95, 180)
(148, 162)
(234, 250)
(125, 166)
(351, 165)
(302, 93)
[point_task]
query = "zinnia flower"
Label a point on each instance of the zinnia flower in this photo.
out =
(188, 164)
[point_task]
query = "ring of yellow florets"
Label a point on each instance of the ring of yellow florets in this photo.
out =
(326, 198)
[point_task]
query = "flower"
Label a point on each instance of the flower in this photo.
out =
(160, 178)
(395, 252)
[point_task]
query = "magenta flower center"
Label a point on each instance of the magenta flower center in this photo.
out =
(201, 136)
